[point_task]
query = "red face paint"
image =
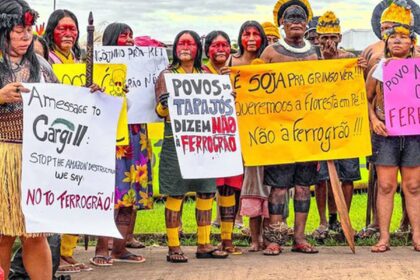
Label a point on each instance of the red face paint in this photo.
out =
(251, 39)
(125, 39)
(219, 50)
(186, 48)
(65, 34)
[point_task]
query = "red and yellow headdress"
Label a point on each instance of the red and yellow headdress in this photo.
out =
(27, 18)
(282, 5)
(39, 30)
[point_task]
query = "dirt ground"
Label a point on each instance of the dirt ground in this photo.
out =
(330, 263)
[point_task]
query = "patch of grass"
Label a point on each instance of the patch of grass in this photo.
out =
(153, 221)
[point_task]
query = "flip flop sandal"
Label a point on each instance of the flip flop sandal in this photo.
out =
(83, 267)
(129, 258)
(135, 244)
(169, 257)
(232, 250)
(304, 248)
(213, 254)
(273, 249)
(62, 269)
(107, 259)
(380, 248)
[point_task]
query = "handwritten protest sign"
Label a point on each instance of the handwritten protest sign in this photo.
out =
(110, 77)
(68, 160)
(203, 120)
(402, 97)
(301, 111)
(143, 67)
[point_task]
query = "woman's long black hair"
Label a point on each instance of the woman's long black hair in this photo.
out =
(211, 36)
(264, 42)
(112, 32)
(55, 17)
(197, 60)
(15, 8)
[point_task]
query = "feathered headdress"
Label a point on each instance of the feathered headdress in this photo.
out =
(400, 29)
(396, 11)
(28, 18)
(328, 24)
(270, 29)
(282, 5)
(40, 29)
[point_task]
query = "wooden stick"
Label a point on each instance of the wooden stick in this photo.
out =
(89, 51)
(89, 72)
(341, 205)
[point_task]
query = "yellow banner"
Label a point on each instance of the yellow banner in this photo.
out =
(111, 77)
(301, 111)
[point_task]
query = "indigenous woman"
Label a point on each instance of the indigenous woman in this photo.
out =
(373, 54)
(217, 49)
(252, 42)
(132, 192)
(187, 52)
(394, 153)
(18, 64)
(62, 37)
(119, 34)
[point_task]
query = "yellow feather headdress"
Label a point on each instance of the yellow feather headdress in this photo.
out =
(270, 29)
(398, 12)
(282, 5)
(328, 23)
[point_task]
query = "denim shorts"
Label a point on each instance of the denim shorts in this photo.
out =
(348, 170)
(401, 151)
(290, 175)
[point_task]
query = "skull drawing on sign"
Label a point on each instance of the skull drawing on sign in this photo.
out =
(117, 83)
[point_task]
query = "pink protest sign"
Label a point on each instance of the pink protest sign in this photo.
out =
(402, 97)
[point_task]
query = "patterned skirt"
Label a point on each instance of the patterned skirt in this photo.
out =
(133, 186)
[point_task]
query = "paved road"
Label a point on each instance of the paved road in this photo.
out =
(331, 263)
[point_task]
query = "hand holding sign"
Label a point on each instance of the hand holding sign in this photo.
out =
(163, 99)
(11, 93)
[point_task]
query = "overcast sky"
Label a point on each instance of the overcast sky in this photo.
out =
(163, 19)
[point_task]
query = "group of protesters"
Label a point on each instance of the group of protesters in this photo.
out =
(262, 193)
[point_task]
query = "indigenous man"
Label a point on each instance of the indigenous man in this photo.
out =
(294, 16)
(310, 33)
(272, 32)
(329, 32)
(273, 36)
(381, 22)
